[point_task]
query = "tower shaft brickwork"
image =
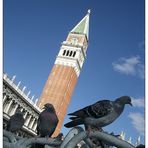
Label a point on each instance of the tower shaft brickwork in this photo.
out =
(58, 90)
(65, 72)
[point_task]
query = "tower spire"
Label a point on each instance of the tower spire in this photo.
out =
(83, 26)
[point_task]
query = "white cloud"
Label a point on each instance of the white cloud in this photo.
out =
(137, 121)
(138, 102)
(129, 66)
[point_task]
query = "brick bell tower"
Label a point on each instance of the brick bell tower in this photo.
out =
(66, 70)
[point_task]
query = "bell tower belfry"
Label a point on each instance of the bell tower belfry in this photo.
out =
(66, 70)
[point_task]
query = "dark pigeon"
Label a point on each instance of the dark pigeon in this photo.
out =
(140, 146)
(99, 114)
(16, 122)
(47, 121)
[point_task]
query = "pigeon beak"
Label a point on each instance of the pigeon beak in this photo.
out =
(130, 104)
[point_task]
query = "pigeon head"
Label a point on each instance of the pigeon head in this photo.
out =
(49, 107)
(124, 100)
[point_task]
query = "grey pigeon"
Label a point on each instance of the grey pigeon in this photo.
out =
(99, 114)
(16, 121)
(47, 121)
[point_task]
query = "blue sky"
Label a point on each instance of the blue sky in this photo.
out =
(34, 30)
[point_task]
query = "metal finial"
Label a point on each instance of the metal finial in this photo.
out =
(88, 11)
(23, 88)
(32, 97)
(138, 141)
(139, 138)
(5, 75)
(18, 84)
(13, 78)
(129, 140)
(28, 93)
(36, 101)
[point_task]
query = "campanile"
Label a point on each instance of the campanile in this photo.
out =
(66, 70)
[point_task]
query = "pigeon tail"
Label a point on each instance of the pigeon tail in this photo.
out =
(73, 123)
(73, 118)
(79, 113)
(74, 113)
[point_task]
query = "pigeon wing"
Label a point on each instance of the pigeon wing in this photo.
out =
(20, 121)
(98, 109)
(74, 122)
(101, 108)
(16, 122)
(80, 113)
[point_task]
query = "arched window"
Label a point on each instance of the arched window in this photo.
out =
(70, 53)
(67, 53)
(74, 53)
(64, 52)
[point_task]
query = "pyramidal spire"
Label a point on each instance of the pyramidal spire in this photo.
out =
(83, 26)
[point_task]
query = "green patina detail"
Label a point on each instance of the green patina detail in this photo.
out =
(80, 28)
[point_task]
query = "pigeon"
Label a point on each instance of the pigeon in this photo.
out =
(47, 121)
(140, 146)
(16, 122)
(99, 114)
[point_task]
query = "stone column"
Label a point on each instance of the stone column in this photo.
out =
(8, 107)
(21, 109)
(25, 114)
(34, 126)
(5, 104)
(31, 124)
(28, 120)
(13, 111)
(4, 98)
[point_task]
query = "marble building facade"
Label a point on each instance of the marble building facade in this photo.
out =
(14, 97)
